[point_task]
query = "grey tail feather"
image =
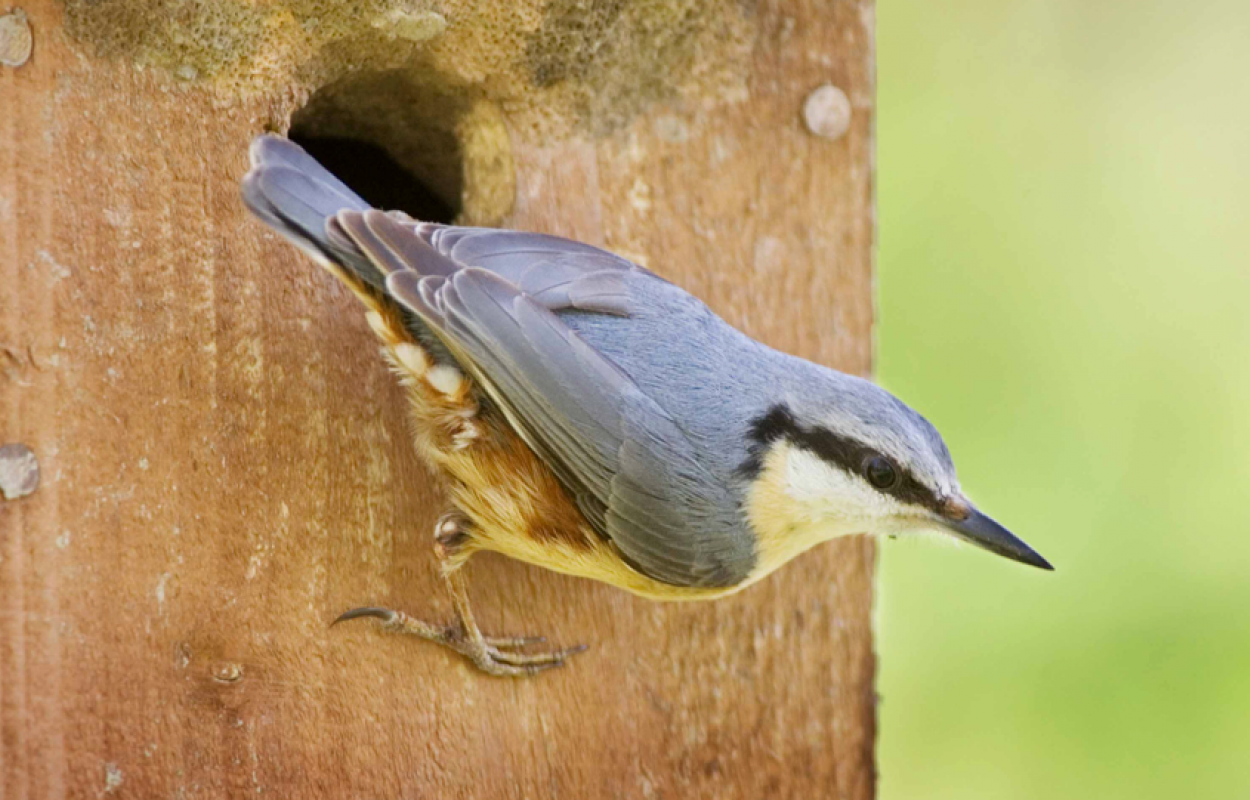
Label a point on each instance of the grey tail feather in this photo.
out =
(296, 196)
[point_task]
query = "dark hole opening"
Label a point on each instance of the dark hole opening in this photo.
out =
(376, 176)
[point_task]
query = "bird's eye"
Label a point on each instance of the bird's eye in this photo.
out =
(880, 472)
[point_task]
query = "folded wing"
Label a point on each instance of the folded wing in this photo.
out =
(492, 297)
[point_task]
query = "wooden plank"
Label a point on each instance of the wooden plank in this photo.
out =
(226, 466)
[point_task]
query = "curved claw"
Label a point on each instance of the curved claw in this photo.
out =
(384, 614)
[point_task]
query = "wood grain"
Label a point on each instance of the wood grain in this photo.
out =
(226, 466)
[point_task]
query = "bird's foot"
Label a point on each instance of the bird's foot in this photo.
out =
(492, 655)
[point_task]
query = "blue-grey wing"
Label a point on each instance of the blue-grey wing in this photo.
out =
(633, 471)
(494, 299)
(295, 196)
(557, 273)
(630, 468)
(292, 193)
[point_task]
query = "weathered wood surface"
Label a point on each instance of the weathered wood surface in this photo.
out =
(226, 467)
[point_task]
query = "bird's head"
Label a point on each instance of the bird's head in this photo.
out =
(858, 460)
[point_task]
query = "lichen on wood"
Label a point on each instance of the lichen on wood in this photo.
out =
(561, 63)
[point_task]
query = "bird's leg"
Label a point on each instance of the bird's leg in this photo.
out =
(490, 654)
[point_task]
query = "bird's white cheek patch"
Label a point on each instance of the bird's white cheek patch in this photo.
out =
(809, 478)
(825, 490)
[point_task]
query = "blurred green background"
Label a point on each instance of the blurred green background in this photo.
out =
(1064, 291)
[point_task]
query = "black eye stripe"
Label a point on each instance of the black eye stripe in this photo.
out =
(841, 451)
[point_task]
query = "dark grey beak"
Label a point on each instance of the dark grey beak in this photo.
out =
(982, 531)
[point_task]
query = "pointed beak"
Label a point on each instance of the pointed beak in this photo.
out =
(965, 521)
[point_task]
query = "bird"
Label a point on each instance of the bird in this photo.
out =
(590, 417)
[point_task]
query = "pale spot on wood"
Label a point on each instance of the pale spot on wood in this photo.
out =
(227, 672)
(56, 271)
(769, 255)
(671, 128)
(827, 112)
(640, 196)
(113, 778)
(413, 26)
(15, 39)
(160, 592)
(19, 471)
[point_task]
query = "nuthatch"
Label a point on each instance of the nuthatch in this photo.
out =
(592, 418)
